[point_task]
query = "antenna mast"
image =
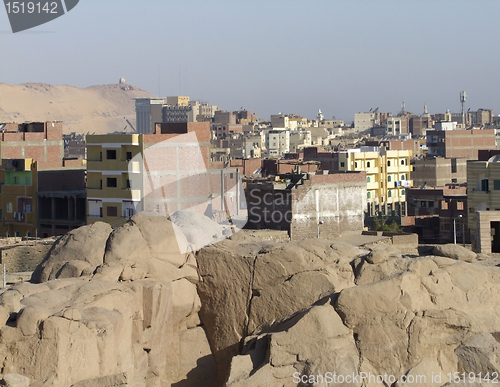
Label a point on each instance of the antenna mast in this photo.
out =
(463, 97)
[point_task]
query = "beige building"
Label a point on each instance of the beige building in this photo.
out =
(178, 100)
(277, 142)
(483, 199)
(438, 172)
(388, 175)
(299, 140)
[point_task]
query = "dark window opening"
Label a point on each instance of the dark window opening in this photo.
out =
(111, 154)
(112, 211)
(111, 182)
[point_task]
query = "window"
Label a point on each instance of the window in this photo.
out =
(389, 163)
(423, 203)
(368, 195)
(444, 205)
(111, 154)
(471, 210)
(367, 164)
(112, 211)
(342, 165)
(454, 165)
(356, 164)
(111, 182)
(15, 180)
(389, 193)
(10, 208)
(454, 181)
(460, 205)
(128, 183)
(389, 178)
(403, 177)
(129, 156)
(496, 185)
(368, 179)
(403, 192)
(485, 186)
(431, 204)
(27, 181)
(403, 162)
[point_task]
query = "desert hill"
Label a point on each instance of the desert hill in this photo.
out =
(100, 109)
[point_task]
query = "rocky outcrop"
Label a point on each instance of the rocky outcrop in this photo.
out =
(247, 282)
(136, 306)
(426, 316)
(111, 308)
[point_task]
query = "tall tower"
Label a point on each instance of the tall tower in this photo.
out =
(463, 97)
(426, 113)
(320, 115)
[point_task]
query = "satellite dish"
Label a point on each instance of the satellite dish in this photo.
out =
(494, 159)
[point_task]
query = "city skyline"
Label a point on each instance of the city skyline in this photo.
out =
(270, 57)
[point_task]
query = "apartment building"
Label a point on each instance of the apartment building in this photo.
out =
(308, 205)
(460, 143)
(299, 140)
(161, 172)
(277, 142)
(435, 213)
(148, 111)
(483, 191)
(439, 171)
(110, 197)
(61, 201)
(40, 141)
(18, 203)
(368, 120)
(388, 175)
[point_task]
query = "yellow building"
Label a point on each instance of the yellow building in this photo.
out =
(387, 177)
(178, 100)
(110, 198)
(18, 179)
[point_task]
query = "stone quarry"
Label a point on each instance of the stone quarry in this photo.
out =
(141, 306)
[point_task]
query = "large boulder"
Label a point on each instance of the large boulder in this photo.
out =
(312, 342)
(114, 308)
(85, 244)
(455, 252)
(147, 236)
(247, 282)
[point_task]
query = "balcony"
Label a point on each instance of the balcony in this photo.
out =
(115, 193)
(123, 166)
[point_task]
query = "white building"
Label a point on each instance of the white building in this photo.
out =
(277, 142)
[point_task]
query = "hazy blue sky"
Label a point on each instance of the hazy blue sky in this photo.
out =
(272, 56)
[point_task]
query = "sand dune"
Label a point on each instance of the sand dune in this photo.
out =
(99, 109)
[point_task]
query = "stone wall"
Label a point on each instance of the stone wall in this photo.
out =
(341, 200)
(24, 256)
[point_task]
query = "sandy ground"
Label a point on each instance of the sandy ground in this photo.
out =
(96, 109)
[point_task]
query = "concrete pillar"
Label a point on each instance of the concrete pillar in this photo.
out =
(53, 208)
